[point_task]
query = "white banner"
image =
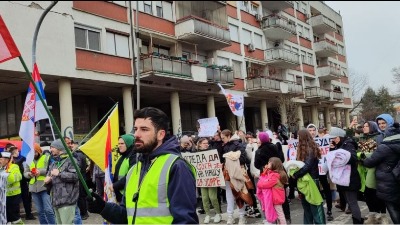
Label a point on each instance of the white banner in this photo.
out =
(235, 102)
(323, 144)
(3, 192)
(208, 126)
(208, 167)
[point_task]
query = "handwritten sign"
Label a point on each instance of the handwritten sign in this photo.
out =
(208, 126)
(323, 144)
(208, 167)
(3, 186)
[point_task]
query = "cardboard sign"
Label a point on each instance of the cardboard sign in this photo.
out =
(3, 192)
(208, 126)
(323, 144)
(208, 168)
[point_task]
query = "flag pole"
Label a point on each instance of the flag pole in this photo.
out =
(55, 126)
(105, 116)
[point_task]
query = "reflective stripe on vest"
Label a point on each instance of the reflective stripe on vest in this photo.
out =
(151, 208)
(40, 164)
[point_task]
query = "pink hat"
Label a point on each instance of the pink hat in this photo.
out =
(264, 137)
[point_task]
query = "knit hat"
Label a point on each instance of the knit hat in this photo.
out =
(37, 148)
(336, 132)
(58, 145)
(264, 137)
(129, 139)
(6, 155)
(311, 125)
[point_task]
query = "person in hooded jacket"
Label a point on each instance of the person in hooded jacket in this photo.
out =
(124, 163)
(383, 121)
(340, 141)
(367, 145)
(384, 159)
(161, 187)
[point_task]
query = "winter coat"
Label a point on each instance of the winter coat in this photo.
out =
(232, 146)
(385, 158)
(265, 196)
(355, 181)
(266, 151)
(389, 122)
(310, 167)
(65, 186)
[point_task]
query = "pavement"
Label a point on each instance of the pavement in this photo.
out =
(295, 208)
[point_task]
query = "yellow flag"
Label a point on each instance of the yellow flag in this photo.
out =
(101, 148)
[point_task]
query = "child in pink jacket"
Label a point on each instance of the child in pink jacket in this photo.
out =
(271, 192)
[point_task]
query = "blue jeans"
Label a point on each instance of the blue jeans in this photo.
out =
(43, 205)
(78, 218)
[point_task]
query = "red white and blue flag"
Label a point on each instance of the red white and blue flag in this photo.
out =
(8, 49)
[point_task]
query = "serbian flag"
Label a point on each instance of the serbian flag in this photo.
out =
(101, 149)
(235, 102)
(40, 112)
(27, 128)
(8, 49)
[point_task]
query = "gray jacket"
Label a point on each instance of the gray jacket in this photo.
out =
(65, 186)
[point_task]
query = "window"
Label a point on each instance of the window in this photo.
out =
(117, 44)
(254, 9)
(237, 68)
(159, 9)
(147, 7)
(246, 36)
(300, 30)
(258, 41)
(306, 33)
(340, 49)
(87, 38)
(339, 29)
(244, 5)
(303, 56)
(222, 61)
(167, 10)
(186, 55)
(309, 59)
(234, 30)
(123, 3)
(303, 8)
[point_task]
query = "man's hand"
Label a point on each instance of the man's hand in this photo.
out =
(55, 172)
(95, 203)
(47, 180)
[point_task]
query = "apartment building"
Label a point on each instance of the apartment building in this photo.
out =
(262, 50)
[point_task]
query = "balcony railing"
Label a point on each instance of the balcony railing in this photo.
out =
(202, 32)
(325, 48)
(277, 5)
(282, 57)
(294, 88)
(276, 27)
(322, 24)
(316, 92)
(164, 66)
(220, 76)
(328, 72)
(263, 84)
(336, 95)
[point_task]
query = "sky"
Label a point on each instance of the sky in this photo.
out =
(372, 39)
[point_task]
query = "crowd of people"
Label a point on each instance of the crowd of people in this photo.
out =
(155, 185)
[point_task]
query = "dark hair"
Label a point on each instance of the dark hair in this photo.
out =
(227, 133)
(8, 145)
(12, 148)
(306, 146)
(158, 118)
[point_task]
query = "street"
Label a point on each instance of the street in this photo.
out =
(295, 209)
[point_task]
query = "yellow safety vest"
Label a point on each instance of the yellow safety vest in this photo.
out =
(123, 170)
(13, 180)
(152, 202)
(40, 164)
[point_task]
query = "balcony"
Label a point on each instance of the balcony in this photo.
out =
(207, 35)
(337, 96)
(282, 58)
(328, 73)
(218, 75)
(321, 24)
(294, 88)
(277, 5)
(277, 28)
(154, 67)
(262, 85)
(325, 48)
(317, 94)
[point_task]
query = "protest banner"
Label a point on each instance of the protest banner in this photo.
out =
(323, 144)
(208, 168)
(3, 186)
(208, 126)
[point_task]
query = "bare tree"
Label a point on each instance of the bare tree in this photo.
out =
(286, 103)
(396, 76)
(358, 84)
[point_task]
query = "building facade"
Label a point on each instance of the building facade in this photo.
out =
(262, 50)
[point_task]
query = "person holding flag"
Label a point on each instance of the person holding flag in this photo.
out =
(13, 194)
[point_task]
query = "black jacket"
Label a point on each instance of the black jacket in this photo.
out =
(233, 146)
(385, 158)
(310, 166)
(263, 154)
(355, 181)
